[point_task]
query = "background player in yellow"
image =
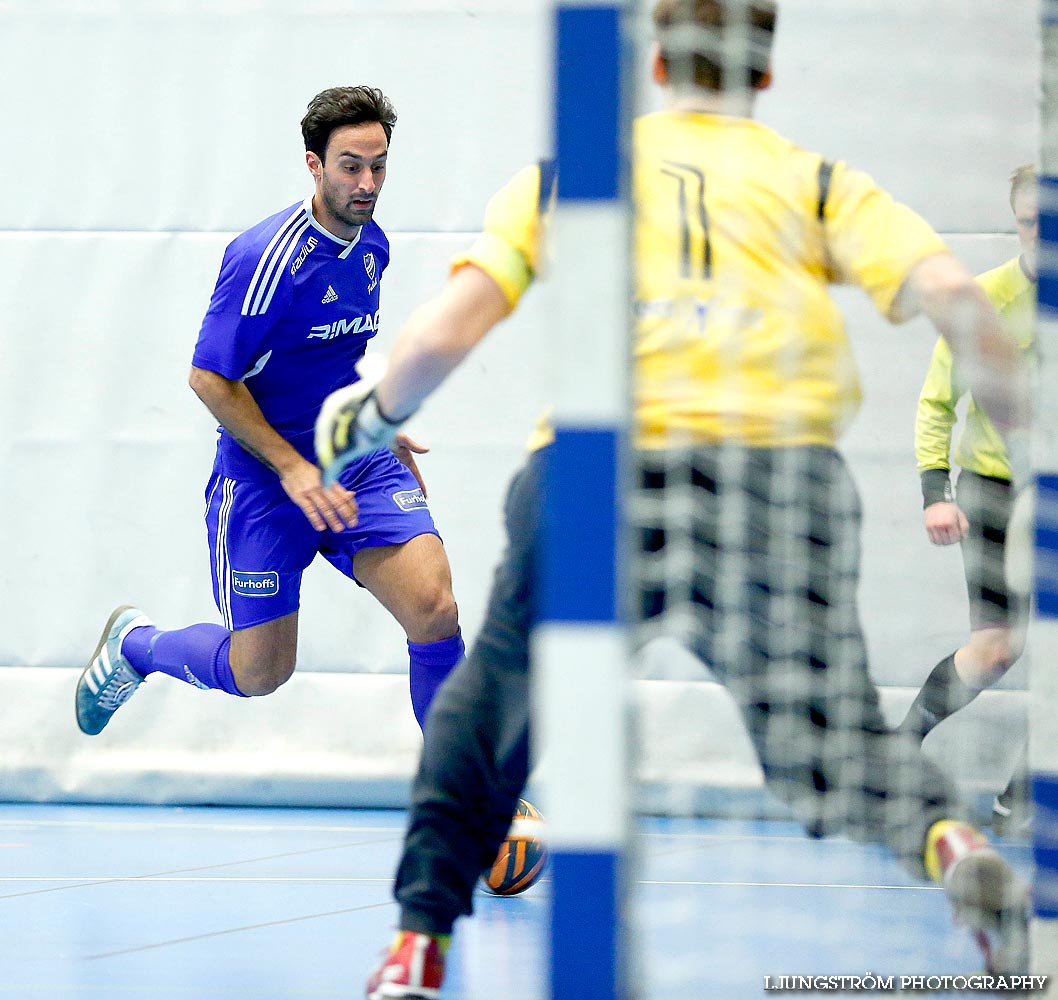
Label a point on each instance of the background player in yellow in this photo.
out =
(743, 382)
(978, 515)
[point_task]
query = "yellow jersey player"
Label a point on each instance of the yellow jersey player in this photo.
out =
(978, 516)
(743, 382)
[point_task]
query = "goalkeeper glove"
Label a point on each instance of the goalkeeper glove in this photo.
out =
(350, 424)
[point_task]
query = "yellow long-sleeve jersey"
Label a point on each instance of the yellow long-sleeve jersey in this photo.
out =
(980, 448)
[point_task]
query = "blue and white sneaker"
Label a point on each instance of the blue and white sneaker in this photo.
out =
(109, 679)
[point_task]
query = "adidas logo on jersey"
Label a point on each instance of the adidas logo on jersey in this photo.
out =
(331, 296)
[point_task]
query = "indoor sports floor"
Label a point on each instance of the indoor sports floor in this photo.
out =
(212, 903)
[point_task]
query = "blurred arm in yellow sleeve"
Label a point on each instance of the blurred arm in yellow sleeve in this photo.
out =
(485, 285)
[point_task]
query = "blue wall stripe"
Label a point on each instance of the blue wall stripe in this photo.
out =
(1047, 292)
(587, 103)
(1047, 546)
(1045, 845)
(584, 925)
(578, 561)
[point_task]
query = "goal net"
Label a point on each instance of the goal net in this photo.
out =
(786, 600)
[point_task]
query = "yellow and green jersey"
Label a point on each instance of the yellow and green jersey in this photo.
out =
(738, 234)
(979, 449)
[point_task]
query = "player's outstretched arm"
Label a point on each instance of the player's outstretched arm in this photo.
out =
(367, 415)
(437, 337)
(985, 353)
(486, 284)
(237, 411)
(894, 255)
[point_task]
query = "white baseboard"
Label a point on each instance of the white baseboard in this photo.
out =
(345, 740)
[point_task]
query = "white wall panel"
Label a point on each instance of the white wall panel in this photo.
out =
(141, 115)
(132, 114)
(937, 100)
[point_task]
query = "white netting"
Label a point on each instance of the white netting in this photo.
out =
(757, 563)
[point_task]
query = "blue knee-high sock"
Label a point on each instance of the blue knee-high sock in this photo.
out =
(431, 663)
(196, 655)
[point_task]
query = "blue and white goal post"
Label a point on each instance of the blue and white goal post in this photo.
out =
(580, 646)
(1043, 685)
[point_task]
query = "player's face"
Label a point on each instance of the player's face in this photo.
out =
(350, 177)
(1027, 217)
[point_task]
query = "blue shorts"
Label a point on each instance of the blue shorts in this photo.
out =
(260, 542)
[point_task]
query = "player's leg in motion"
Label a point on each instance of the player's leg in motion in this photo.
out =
(997, 632)
(394, 551)
(996, 616)
(252, 661)
(776, 543)
(259, 545)
(474, 766)
(414, 583)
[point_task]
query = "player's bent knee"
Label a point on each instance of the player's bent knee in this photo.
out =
(259, 676)
(990, 675)
(262, 684)
(436, 616)
(446, 616)
(990, 662)
(443, 620)
(998, 663)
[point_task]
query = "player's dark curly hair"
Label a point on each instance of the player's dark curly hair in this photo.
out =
(692, 33)
(338, 106)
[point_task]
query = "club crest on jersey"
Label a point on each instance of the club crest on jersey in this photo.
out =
(255, 584)
(372, 270)
(410, 500)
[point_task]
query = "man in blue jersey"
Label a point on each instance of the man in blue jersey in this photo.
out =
(295, 304)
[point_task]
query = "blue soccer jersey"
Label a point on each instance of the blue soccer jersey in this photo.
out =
(292, 312)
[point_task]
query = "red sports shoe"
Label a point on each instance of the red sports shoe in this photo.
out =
(985, 894)
(413, 969)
